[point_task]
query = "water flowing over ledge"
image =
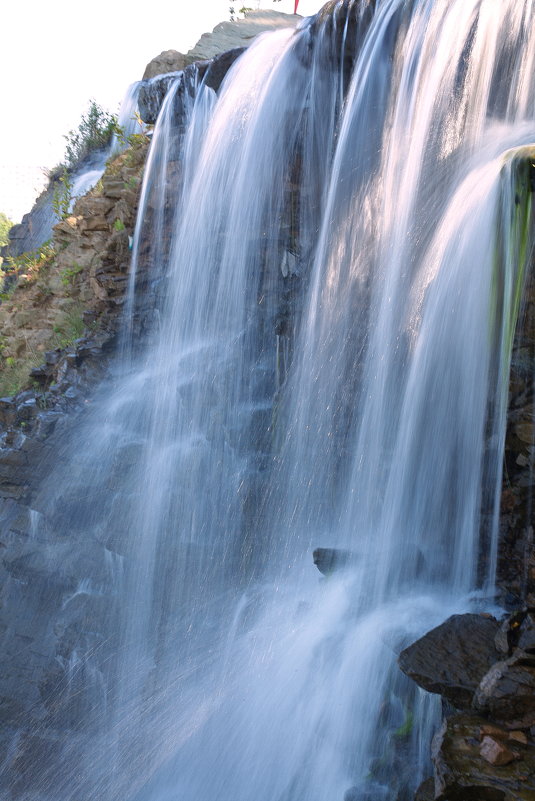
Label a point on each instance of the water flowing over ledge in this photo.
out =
(336, 245)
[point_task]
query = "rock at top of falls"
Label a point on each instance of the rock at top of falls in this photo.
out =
(452, 658)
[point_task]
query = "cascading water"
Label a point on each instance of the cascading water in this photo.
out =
(336, 291)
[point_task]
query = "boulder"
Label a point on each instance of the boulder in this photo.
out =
(452, 658)
(167, 61)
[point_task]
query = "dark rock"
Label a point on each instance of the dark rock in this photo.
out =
(462, 773)
(526, 635)
(453, 658)
(426, 790)
(8, 411)
(152, 92)
(507, 691)
(509, 632)
(219, 66)
(363, 794)
(329, 560)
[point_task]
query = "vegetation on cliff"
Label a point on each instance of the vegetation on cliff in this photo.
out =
(94, 132)
(49, 294)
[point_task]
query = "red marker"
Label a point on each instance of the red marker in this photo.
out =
(296, 4)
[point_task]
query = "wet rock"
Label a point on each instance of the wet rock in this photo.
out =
(329, 560)
(464, 773)
(507, 691)
(526, 635)
(152, 92)
(8, 411)
(453, 658)
(425, 791)
(220, 65)
(508, 635)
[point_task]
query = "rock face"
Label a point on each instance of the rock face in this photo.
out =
(453, 658)
(516, 556)
(485, 752)
(35, 227)
(507, 692)
(470, 764)
(80, 280)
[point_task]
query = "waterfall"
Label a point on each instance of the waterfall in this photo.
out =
(334, 257)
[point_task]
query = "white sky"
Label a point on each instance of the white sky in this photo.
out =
(57, 54)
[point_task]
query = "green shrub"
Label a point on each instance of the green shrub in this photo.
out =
(27, 267)
(61, 199)
(94, 132)
(5, 225)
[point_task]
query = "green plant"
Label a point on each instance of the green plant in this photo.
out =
(15, 373)
(94, 132)
(69, 274)
(118, 225)
(62, 196)
(25, 269)
(5, 226)
(406, 727)
(69, 328)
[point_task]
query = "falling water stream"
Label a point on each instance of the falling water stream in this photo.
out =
(326, 367)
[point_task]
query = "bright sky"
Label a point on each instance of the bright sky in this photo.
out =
(58, 54)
